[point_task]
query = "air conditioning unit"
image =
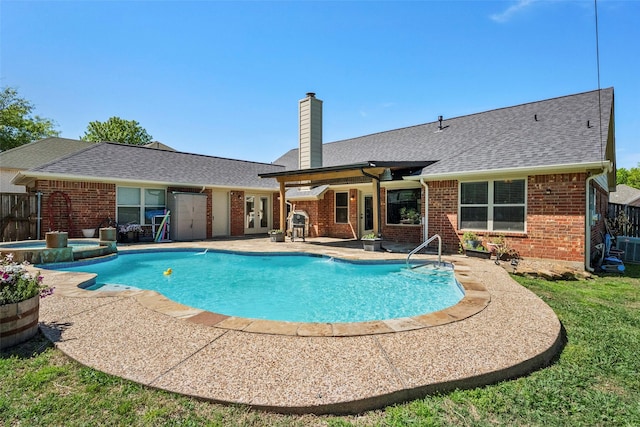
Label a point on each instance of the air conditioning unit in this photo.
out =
(631, 248)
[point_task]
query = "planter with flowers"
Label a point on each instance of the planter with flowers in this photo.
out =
(129, 233)
(371, 242)
(20, 293)
(276, 235)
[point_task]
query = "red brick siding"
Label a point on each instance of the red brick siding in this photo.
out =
(555, 218)
(236, 226)
(399, 232)
(276, 210)
(443, 213)
(321, 213)
(91, 204)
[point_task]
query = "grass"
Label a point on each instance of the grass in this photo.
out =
(594, 382)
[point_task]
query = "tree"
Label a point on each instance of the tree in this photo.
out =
(17, 124)
(630, 177)
(117, 130)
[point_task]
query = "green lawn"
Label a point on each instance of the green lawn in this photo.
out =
(595, 381)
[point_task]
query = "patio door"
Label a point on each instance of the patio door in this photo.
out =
(256, 214)
(220, 213)
(366, 214)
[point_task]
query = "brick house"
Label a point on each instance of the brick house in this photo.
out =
(538, 174)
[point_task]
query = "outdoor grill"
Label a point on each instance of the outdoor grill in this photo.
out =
(297, 226)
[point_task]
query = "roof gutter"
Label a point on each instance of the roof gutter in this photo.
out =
(536, 170)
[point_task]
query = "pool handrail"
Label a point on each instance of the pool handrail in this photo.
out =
(425, 243)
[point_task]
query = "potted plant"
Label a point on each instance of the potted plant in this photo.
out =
(499, 246)
(130, 232)
(276, 235)
(409, 216)
(471, 240)
(371, 242)
(20, 293)
(478, 252)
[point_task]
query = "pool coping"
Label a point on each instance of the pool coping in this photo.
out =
(144, 337)
(475, 299)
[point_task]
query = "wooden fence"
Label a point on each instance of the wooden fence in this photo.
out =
(18, 216)
(625, 218)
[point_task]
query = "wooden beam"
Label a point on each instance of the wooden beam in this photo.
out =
(283, 208)
(328, 175)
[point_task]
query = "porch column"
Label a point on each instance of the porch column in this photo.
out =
(376, 206)
(283, 207)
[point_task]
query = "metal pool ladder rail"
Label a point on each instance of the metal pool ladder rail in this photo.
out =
(425, 243)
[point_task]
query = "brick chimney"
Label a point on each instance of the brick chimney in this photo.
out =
(310, 132)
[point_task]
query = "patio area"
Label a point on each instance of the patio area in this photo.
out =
(499, 331)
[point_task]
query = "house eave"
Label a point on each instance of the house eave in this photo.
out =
(25, 178)
(595, 167)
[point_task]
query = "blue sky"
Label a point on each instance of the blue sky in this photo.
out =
(224, 78)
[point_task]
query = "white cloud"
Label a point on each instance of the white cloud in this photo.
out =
(508, 13)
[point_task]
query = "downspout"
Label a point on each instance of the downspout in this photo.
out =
(587, 228)
(426, 210)
(38, 223)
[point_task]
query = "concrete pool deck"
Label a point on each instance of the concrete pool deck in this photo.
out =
(499, 331)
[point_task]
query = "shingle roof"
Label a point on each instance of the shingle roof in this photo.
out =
(36, 153)
(542, 133)
(624, 195)
(112, 161)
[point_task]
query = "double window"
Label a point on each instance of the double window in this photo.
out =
(493, 205)
(133, 203)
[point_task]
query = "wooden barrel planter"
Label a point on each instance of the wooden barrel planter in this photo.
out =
(19, 321)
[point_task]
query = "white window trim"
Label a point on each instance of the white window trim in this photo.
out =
(489, 205)
(386, 204)
(142, 205)
(335, 207)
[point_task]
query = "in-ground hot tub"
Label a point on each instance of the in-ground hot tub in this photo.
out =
(56, 248)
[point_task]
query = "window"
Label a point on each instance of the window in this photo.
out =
(342, 208)
(403, 206)
(493, 205)
(133, 203)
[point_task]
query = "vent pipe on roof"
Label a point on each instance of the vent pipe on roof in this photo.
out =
(310, 132)
(440, 120)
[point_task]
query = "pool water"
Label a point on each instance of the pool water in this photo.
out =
(41, 244)
(297, 288)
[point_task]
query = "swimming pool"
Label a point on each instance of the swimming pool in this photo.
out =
(291, 287)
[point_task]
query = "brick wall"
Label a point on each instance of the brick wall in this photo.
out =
(443, 213)
(555, 218)
(236, 226)
(91, 203)
(399, 232)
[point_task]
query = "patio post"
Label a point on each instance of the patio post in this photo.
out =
(283, 208)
